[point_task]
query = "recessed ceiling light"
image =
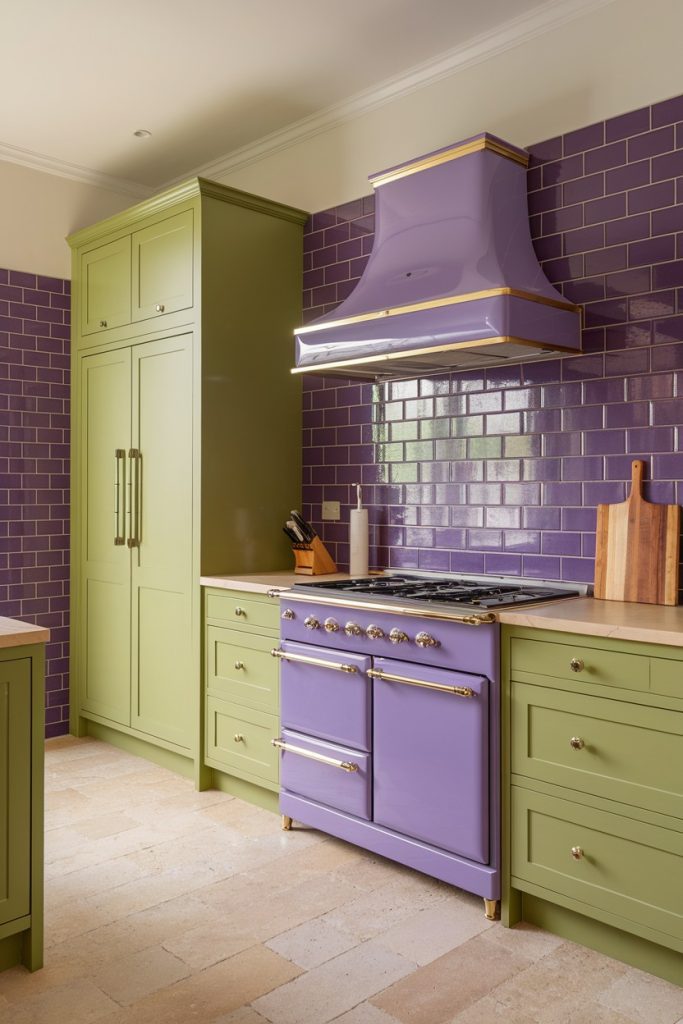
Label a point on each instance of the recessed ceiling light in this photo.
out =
(142, 133)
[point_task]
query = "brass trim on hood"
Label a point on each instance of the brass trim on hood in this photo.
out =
(424, 163)
(448, 300)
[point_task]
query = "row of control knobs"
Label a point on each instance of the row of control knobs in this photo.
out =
(395, 635)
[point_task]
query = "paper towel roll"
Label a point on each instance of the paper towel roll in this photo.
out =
(358, 542)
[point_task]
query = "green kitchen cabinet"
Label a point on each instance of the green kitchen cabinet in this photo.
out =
(186, 446)
(593, 793)
(242, 692)
(21, 806)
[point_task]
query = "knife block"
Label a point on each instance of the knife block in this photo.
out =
(313, 559)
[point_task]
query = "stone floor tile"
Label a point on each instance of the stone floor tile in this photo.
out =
(245, 1015)
(429, 934)
(335, 987)
(312, 943)
(135, 976)
(525, 938)
(365, 1013)
(647, 1000)
(104, 825)
(375, 912)
(76, 1002)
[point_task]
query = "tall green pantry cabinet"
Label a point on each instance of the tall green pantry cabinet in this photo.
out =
(186, 445)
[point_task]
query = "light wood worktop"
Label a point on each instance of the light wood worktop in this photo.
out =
(14, 633)
(621, 620)
(259, 583)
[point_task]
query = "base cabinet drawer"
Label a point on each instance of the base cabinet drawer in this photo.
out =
(240, 668)
(608, 862)
(337, 776)
(240, 610)
(572, 662)
(621, 751)
(240, 739)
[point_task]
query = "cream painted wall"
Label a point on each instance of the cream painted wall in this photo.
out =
(38, 210)
(618, 58)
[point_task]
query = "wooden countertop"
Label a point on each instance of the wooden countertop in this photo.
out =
(14, 633)
(620, 620)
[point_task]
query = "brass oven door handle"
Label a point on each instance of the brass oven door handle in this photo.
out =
(346, 766)
(305, 659)
(119, 493)
(134, 499)
(458, 691)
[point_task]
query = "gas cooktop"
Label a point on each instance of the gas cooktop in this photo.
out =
(466, 592)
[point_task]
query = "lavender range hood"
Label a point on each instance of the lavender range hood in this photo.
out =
(452, 280)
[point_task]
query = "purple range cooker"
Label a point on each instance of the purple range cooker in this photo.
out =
(390, 711)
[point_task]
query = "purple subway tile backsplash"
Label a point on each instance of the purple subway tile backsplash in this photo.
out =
(499, 471)
(34, 469)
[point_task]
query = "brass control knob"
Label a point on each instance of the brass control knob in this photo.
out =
(310, 622)
(374, 632)
(160, 307)
(352, 629)
(288, 613)
(238, 737)
(397, 636)
(577, 852)
(426, 640)
(576, 743)
(331, 626)
(239, 665)
(239, 611)
(576, 664)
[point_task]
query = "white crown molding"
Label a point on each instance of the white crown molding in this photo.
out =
(512, 33)
(74, 172)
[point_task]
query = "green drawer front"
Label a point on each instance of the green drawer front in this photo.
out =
(239, 740)
(630, 753)
(606, 668)
(240, 668)
(242, 610)
(628, 869)
(666, 677)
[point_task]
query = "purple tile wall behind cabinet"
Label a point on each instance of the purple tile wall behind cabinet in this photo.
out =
(34, 468)
(500, 471)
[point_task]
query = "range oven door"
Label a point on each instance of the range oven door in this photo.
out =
(431, 756)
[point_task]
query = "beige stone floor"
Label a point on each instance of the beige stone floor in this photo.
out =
(167, 905)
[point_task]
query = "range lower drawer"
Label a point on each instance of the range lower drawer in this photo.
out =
(621, 751)
(241, 668)
(240, 739)
(242, 610)
(337, 776)
(572, 662)
(607, 862)
(326, 693)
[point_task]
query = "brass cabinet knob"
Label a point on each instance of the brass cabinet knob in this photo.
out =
(239, 665)
(160, 307)
(238, 737)
(577, 852)
(576, 743)
(239, 611)
(374, 632)
(288, 613)
(397, 636)
(352, 629)
(426, 640)
(576, 664)
(310, 622)
(331, 626)
(103, 323)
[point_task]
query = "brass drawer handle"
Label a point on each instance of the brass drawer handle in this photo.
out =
(577, 852)
(346, 766)
(239, 665)
(459, 691)
(103, 323)
(239, 611)
(576, 665)
(305, 659)
(160, 307)
(239, 738)
(576, 743)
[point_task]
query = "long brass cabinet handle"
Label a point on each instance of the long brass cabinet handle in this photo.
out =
(346, 766)
(119, 492)
(305, 659)
(134, 499)
(458, 691)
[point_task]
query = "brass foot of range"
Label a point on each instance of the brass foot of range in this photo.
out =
(286, 823)
(490, 909)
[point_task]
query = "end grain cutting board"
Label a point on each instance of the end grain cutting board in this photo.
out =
(637, 548)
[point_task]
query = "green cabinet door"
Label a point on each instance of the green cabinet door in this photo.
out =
(163, 267)
(103, 637)
(15, 789)
(165, 676)
(105, 286)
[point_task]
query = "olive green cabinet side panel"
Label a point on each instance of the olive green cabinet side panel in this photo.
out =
(164, 671)
(103, 636)
(105, 275)
(251, 303)
(163, 267)
(15, 789)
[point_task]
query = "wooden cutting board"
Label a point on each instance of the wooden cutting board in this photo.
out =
(637, 548)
